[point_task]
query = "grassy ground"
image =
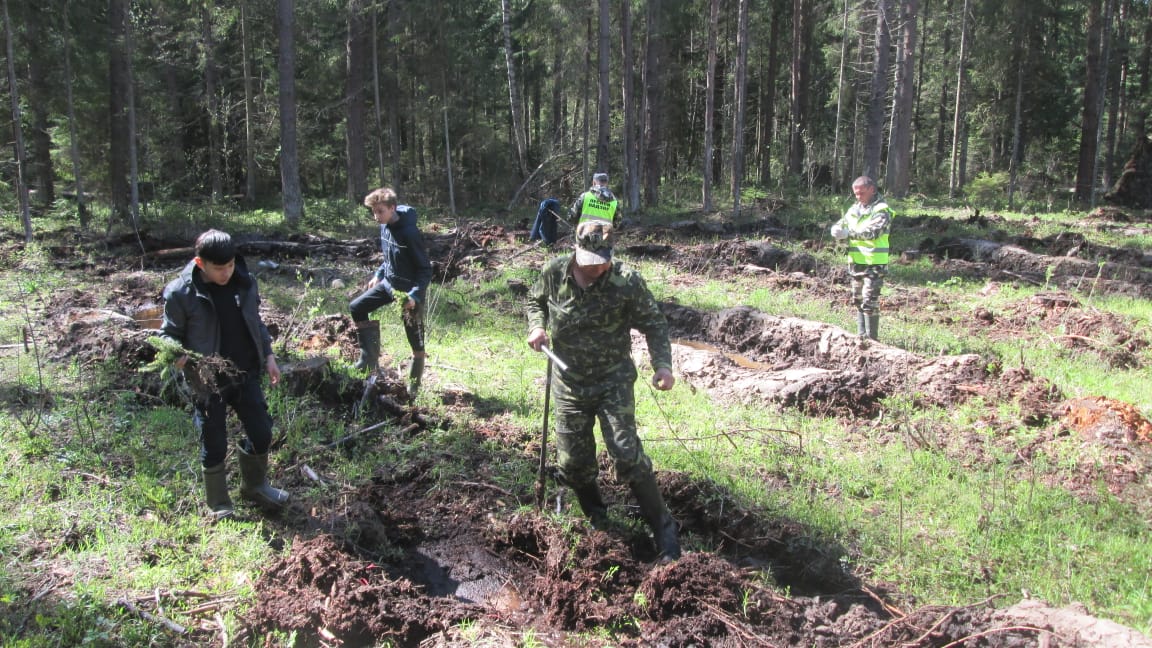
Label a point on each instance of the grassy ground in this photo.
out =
(102, 498)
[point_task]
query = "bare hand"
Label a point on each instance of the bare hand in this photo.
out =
(537, 339)
(273, 370)
(663, 379)
(180, 362)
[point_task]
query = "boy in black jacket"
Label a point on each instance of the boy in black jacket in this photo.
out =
(213, 308)
(404, 274)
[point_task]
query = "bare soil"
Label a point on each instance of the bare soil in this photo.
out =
(405, 558)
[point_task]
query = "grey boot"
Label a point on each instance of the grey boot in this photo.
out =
(254, 485)
(216, 492)
(873, 324)
(861, 324)
(593, 505)
(664, 528)
(415, 373)
(368, 336)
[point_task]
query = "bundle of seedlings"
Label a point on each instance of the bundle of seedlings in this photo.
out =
(201, 376)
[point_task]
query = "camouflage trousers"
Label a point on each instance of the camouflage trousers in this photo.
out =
(576, 412)
(867, 280)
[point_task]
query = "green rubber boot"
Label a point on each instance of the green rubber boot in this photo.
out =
(368, 336)
(254, 485)
(216, 492)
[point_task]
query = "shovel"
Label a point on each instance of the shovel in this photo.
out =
(541, 469)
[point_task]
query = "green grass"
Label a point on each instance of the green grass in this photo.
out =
(936, 501)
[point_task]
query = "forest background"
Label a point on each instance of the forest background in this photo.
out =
(1020, 103)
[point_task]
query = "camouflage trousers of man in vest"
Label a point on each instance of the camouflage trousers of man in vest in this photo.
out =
(867, 280)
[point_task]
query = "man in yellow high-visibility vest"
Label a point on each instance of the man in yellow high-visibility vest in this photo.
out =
(866, 225)
(598, 203)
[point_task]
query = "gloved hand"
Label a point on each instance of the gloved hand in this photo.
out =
(839, 231)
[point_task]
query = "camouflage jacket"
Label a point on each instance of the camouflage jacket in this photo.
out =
(590, 328)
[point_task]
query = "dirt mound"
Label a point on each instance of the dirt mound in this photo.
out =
(746, 355)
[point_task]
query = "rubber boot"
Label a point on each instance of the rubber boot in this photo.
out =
(216, 492)
(664, 528)
(368, 336)
(873, 324)
(861, 324)
(415, 373)
(254, 485)
(592, 504)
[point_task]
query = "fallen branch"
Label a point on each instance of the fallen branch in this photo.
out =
(148, 616)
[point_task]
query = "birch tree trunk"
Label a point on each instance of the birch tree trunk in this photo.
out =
(513, 90)
(955, 175)
(292, 198)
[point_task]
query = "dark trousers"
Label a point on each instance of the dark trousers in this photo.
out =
(379, 296)
(245, 396)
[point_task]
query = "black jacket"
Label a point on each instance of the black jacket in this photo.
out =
(406, 266)
(190, 316)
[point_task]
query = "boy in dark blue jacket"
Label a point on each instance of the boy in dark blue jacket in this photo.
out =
(404, 274)
(213, 308)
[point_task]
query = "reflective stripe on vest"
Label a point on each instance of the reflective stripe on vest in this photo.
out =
(869, 251)
(595, 209)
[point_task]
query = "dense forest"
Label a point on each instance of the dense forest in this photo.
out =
(461, 104)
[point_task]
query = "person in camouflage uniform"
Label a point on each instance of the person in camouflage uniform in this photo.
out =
(585, 305)
(865, 225)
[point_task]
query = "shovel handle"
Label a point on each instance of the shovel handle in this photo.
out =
(541, 469)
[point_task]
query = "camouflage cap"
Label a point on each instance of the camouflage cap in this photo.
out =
(594, 241)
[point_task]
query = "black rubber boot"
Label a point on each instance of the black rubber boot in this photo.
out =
(415, 374)
(593, 505)
(216, 492)
(368, 336)
(874, 326)
(254, 485)
(861, 324)
(664, 528)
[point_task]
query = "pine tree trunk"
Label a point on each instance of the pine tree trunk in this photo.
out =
(73, 137)
(878, 93)
(655, 64)
(211, 104)
(709, 108)
(898, 171)
(604, 109)
(631, 154)
(39, 91)
(356, 50)
(292, 198)
(739, 105)
(14, 93)
(1090, 113)
(117, 111)
(250, 170)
